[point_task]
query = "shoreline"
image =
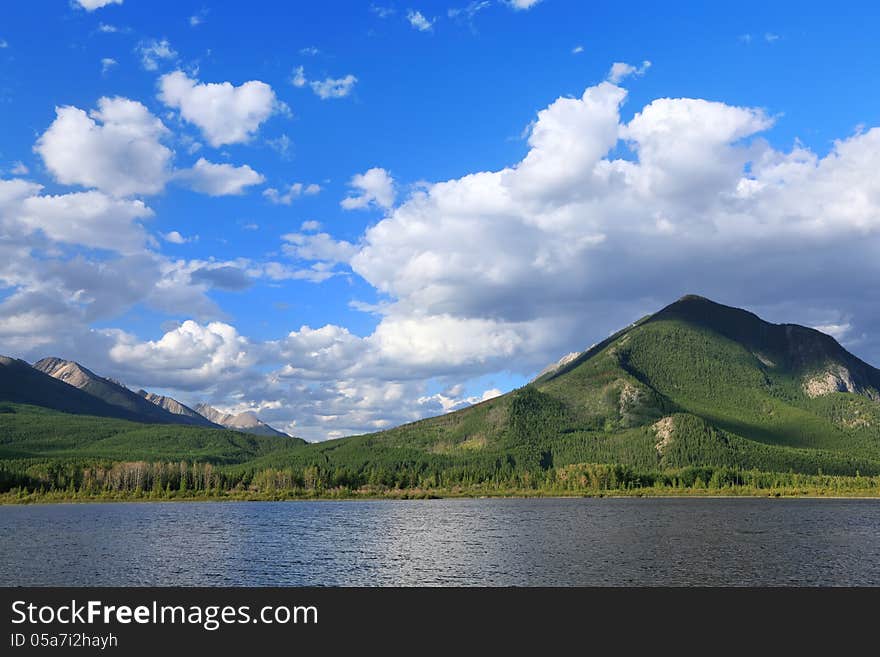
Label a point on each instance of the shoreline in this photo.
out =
(446, 495)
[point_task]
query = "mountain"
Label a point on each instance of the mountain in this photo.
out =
(246, 421)
(695, 384)
(21, 383)
(172, 406)
(113, 393)
(698, 394)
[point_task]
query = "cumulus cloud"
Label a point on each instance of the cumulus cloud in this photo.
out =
(218, 179)
(418, 21)
(187, 356)
(175, 237)
(107, 63)
(318, 246)
(90, 219)
(521, 5)
(225, 114)
(116, 148)
(298, 79)
(92, 5)
(601, 221)
(153, 52)
(374, 187)
(327, 88)
(525, 256)
(621, 70)
(334, 87)
(292, 192)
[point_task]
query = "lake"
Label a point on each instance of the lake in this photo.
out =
(508, 542)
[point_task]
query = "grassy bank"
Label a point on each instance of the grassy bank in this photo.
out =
(775, 485)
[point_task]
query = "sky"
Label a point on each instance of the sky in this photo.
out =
(345, 216)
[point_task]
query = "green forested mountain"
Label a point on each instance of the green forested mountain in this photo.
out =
(697, 391)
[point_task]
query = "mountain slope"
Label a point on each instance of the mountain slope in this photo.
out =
(35, 435)
(697, 391)
(21, 383)
(696, 384)
(175, 407)
(113, 393)
(246, 421)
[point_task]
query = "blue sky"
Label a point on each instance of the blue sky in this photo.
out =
(418, 298)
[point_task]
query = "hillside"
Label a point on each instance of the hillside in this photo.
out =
(114, 393)
(696, 392)
(696, 384)
(23, 384)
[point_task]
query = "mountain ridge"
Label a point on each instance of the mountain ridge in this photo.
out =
(695, 390)
(112, 392)
(245, 421)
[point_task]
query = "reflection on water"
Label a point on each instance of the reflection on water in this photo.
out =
(445, 542)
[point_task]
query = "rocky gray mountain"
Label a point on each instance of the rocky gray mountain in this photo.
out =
(247, 421)
(171, 405)
(113, 393)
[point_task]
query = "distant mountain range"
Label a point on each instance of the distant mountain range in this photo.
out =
(246, 421)
(68, 386)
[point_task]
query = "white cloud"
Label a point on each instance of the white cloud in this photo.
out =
(419, 22)
(334, 88)
(293, 192)
(469, 11)
(327, 88)
(226, 114)
(298, 79)
(309, 51)
(92, 5)
(107, 63)
(769, 37)
(19, 169)
(837, 331)
(520, 5)
(375, 187)
(197, 19)
(218, 179)
(189, 355)
(3, 44)
(516, 261)
(283, 145)
(91, 219)
(175, 237)
(382, 12)
(621, 70)
(116, 148)
(107, 28)
(602, 221)
(318, 247)
(153, 52)
(577, 50)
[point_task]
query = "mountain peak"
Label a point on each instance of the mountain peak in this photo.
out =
(246, 421)
(68, 371)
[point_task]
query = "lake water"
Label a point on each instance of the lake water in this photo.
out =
(445, 542)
